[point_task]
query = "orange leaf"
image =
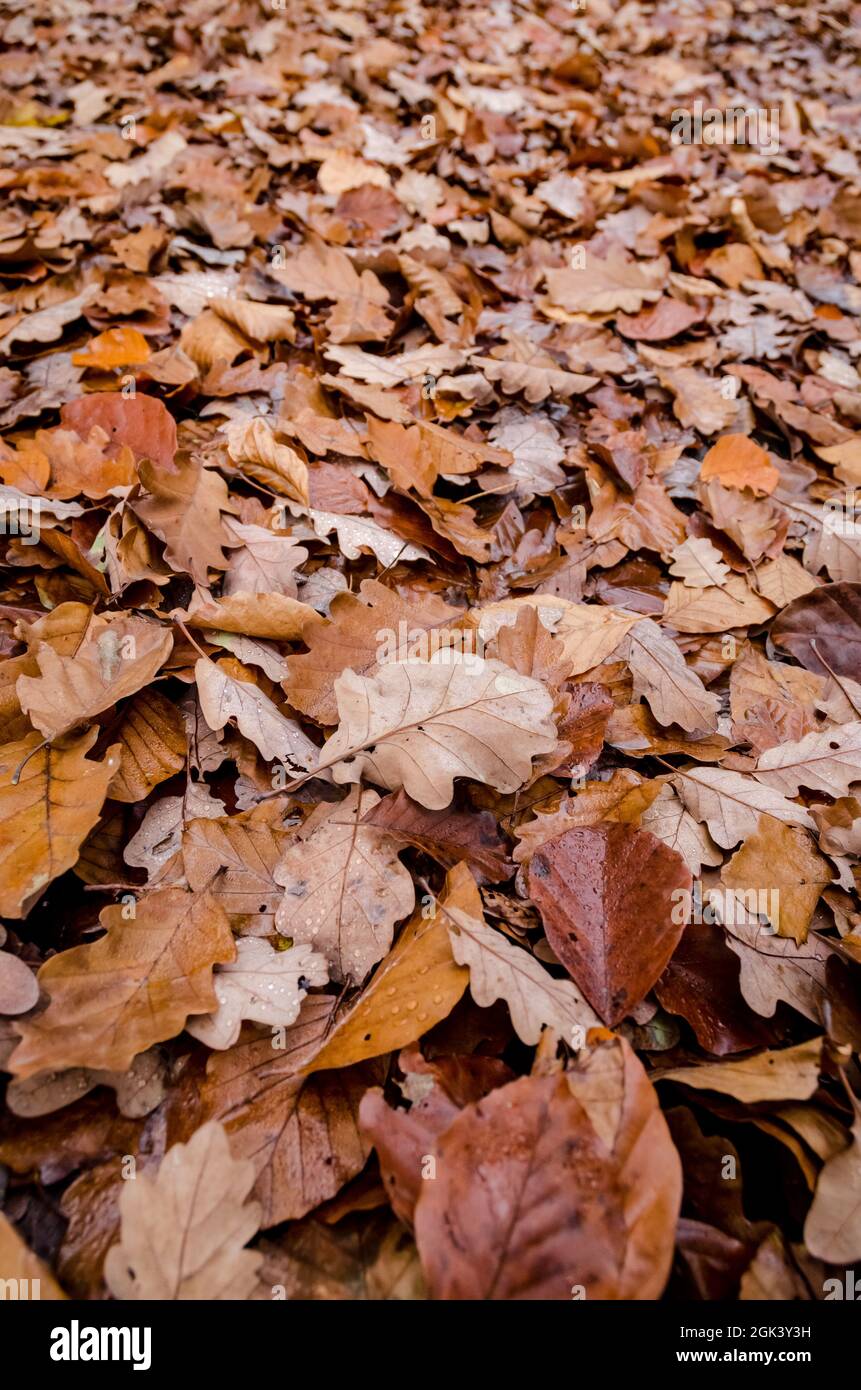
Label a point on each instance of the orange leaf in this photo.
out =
(117, 347)
(739, 463)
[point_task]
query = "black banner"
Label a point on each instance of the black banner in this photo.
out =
(262, 1338)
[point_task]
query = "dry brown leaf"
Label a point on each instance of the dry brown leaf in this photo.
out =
(789, 1074)
(183, 1231)
(345, 887)
(781, 867)
(50, 798)
(184, 509)
(117, 657)
(134, 987)
(253, 446)
(420, 724)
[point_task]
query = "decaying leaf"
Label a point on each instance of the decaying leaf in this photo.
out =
(607, 897)
(430, 638)
(511, 1213)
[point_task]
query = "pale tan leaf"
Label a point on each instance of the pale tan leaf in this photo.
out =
(731, 803)
(223, 698)
(668, 820)
(698, 564)
(266, 323)
(832, 1231)
(183, 1231)
(22, 1270)
(791, 1073)
(356, 533)
(420, 724)
(500, 970)
(589, 632)
(262, 985)
(345, 887)
(251, 443)
(715, 610)
(827, 762)
(674, 691)
(604, 284)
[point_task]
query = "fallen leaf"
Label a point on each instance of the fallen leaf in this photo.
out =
(116, 658)
(608, 897)
(780, 866)
(792, 1073)
(737, 462)
(50, 799)
(514, 1211)
(345, 887)
(183, 1231)
(420, 724)
(133, 987)
(142, 422)
(261, 984)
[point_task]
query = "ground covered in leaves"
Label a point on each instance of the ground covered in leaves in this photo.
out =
(431, 651)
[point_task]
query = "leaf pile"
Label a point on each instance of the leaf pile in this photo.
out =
(430, 653)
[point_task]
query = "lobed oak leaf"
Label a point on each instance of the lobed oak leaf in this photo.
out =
(263, 985)
(133, 987)
(731, 803)
(117, 656)
(183, 1231)
(50, 799)
(365, 629)
(224, 697)
(825, 762)
(603, 284)
(420, 724)
(674, 691)
(345, 887)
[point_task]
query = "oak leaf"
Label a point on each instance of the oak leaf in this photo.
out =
(50, 799)
(262, 985)
(117, 657)
(224, 696)
(345, 887)
(133, 987)
(183, 1231)
(420, 724)
(365, 629)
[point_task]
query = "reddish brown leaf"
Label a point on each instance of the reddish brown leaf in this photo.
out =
(606, 897)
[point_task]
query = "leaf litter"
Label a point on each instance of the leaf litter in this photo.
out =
(430, 782)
